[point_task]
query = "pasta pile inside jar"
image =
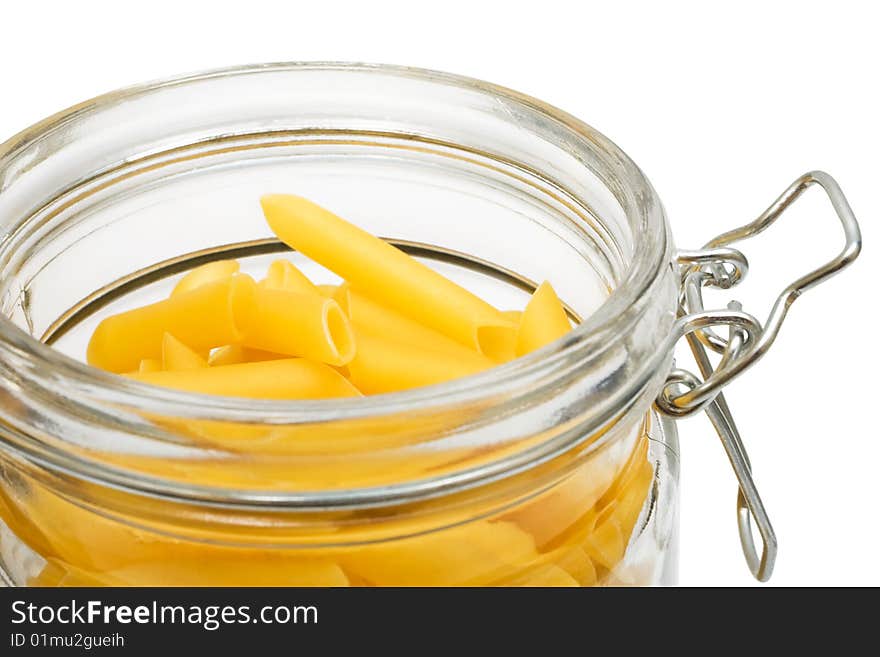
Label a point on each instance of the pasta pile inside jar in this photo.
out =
(394, 323)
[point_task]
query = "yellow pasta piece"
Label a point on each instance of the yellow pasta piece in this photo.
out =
(307, 325)
(150, 365)
(327, 290)
(637, 459)
(247, 568)
(632, 499)
(292, 378)
(85, 548)
(544, 576)
(627, 511)
(368, 316)
(543, 321)
(209, 273)
(566, 511)
(177, 356)
(606, 544)
(75, 535)
(379, 270)
(478, 553)
(57, 573)
(236, 353)
(202, 318)
(385, 365)
(250, 568)
(283, 275)
(16, 514)
(577, 564)
(499, 342)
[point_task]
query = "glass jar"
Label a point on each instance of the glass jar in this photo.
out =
(555, 469)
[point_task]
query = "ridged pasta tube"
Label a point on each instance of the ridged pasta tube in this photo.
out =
(291, 378)
(543, 321)
(205, 317)
(307, 325)
(207, 273)
(378, 269)
(283, 275)
(177, 356)
(385, 365)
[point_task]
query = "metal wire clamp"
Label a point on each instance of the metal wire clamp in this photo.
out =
(719, 265)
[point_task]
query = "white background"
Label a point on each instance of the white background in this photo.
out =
(722, 106)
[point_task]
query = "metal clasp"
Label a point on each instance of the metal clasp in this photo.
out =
(684, 393)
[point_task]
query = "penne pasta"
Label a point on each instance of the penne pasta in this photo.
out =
(471, 554)
(307, 325)
(393, 324)
(543, 321)
(220, 566)
(577, 564)
(628, 472)
(150, 365)
(378, 269)
(235, 353)
(565, 512)
(208, 273)
(57, 573)
(283, 275)
(382, 364)
(632, 499)
(202, 318)
(606, 545)
(370, 317)
(543, 576)
(499, 342)
(291, 378)
(177, 356)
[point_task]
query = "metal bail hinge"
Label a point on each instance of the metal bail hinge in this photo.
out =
(684, 393)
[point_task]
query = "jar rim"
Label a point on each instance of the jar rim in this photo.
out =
(647, 263)
(617, 314)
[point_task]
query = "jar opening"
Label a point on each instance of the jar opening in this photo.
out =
(522, 158)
